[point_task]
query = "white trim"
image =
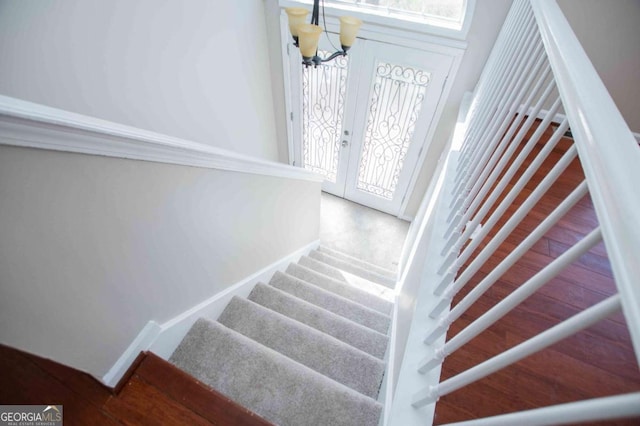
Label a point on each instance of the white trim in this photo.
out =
(406, 217)
(162, 339)
(142, 342)
(386, 394)
(31, 125)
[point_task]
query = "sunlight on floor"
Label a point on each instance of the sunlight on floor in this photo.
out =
(362, 232)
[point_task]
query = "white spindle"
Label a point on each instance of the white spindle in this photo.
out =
(442, 326)
(459, 238)
(506, 138)
(496, 61)
(515, 298)
(546, 183)
(590, 410)
(500, 104)
(578, 322)
(490, 173)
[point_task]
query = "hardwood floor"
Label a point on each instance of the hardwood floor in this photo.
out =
(598, 361)
(155, 393)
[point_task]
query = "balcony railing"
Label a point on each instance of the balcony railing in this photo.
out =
(537, 74)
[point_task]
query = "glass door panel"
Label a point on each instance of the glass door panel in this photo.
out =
(394, 107)
(397, 98)
(323, 96)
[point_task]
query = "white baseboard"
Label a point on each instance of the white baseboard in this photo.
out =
(143, 340)
(386, 393)
(406, 217)
(162, 339)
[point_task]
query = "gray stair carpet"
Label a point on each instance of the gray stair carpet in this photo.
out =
(278, 389)
(349, 332)
(353, 269)
(358, 262)
(348, 292)
(308, 346)
(331, 302)
(322, 268)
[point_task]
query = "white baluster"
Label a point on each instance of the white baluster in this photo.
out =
(580, 191)
(524, 291)
(589, 410)
(546, 183)
(578, 322)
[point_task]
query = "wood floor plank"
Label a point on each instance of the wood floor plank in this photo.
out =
(24, 382)
(209, 404)
(142, 404)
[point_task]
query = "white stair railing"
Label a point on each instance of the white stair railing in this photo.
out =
(537, 62)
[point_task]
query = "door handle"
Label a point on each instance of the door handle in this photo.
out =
(345, 143)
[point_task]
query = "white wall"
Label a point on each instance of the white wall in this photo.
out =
(198, 69)
(485, 26)
(272, 15)
(610, 35)
(92, 248)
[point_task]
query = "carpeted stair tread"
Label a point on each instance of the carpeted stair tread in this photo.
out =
(349, 332)
(270, 384)
(331, 302)
(322, 268)
(352, 269)
(359, 262)
(347, 291)
(308, 346)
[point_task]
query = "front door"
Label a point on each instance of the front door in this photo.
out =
(363, 119)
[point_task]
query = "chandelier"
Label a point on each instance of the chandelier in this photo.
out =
(306, 36)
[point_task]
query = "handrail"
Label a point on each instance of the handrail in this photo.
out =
(21, 124)
(608, 152)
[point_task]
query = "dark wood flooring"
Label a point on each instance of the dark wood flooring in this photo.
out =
(154, 393)
(596, 362)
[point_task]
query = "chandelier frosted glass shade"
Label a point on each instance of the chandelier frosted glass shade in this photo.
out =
(308, 37)
(349, 27)
(296, 16)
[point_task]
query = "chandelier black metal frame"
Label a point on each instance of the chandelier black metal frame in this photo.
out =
(306, 36)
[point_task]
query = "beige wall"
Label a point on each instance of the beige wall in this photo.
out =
(609, 32)
(485, 26)
(92, 248)
(196, 69)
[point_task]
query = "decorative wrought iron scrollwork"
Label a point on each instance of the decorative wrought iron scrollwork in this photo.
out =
(323, 94)
(394, 107)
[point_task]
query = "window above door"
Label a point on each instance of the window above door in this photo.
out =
(444, 18)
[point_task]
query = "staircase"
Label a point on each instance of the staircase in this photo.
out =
(307, 348)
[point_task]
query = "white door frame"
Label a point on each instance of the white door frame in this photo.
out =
(372, 31)
(438, 66)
